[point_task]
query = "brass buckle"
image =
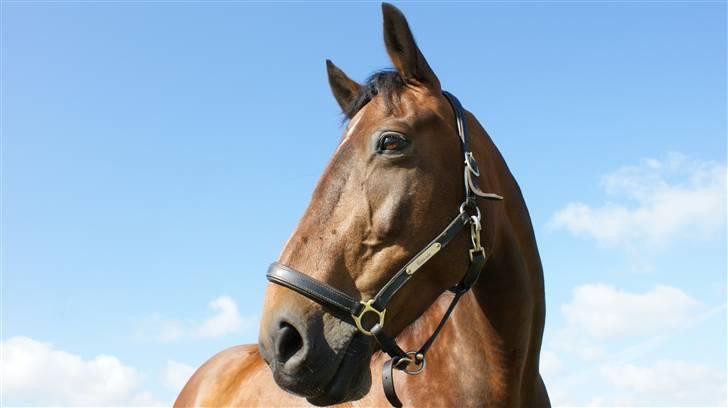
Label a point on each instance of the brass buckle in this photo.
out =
(368, 308)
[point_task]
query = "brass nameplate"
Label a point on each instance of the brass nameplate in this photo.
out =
(422, 258)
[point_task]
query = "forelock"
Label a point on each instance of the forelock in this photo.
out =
(387, 83)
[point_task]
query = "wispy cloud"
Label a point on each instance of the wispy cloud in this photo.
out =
(599, 312)
(604, 311)
(600, 316)
(37, 373)
(652, 204)
(667, 382)
(225, 319)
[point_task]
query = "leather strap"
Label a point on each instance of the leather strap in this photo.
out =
(475, 188)
(462, 126)
(388, 344)
(472, 274)
(312, 288)
(388, 383)
(385, 295)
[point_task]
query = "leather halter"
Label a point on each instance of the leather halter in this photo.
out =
(412, 362)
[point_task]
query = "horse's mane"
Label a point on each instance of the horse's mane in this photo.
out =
(387, 82)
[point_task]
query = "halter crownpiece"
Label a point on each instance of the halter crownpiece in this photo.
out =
(322, 293)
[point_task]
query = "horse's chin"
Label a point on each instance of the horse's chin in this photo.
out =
(352, 379)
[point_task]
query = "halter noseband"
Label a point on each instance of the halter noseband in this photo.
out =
(324, 294)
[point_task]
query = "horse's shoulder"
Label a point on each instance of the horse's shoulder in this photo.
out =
(218, 380)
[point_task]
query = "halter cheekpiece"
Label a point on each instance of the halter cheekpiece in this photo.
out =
(412, 362)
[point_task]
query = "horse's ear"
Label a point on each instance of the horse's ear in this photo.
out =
(344, 88)
(403, 50)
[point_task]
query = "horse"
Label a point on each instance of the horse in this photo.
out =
(396, 179)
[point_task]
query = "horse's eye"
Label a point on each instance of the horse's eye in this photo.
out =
(391, 142)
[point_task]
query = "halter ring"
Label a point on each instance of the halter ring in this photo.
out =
(416, 358)
(470, 206)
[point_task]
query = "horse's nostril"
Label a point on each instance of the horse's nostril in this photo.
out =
(288, 343)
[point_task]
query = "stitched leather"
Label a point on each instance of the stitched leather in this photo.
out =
(311, 288)
(402, 277)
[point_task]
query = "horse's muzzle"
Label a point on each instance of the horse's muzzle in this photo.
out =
(321, 361)
(287, 348)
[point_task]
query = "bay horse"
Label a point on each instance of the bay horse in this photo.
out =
(395, 181)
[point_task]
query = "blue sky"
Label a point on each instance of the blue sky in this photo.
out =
(156, 156)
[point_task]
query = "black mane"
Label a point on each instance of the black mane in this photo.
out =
(388, 83)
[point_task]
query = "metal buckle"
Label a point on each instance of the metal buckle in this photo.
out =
(473, 251)
(471, 164)
(368, 308)
(412, 358)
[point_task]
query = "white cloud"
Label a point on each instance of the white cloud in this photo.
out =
(175, 375)
(607, 330)
(667, 382)
(603, 311)
(226, 319)
(654, 203)
(36, 373)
